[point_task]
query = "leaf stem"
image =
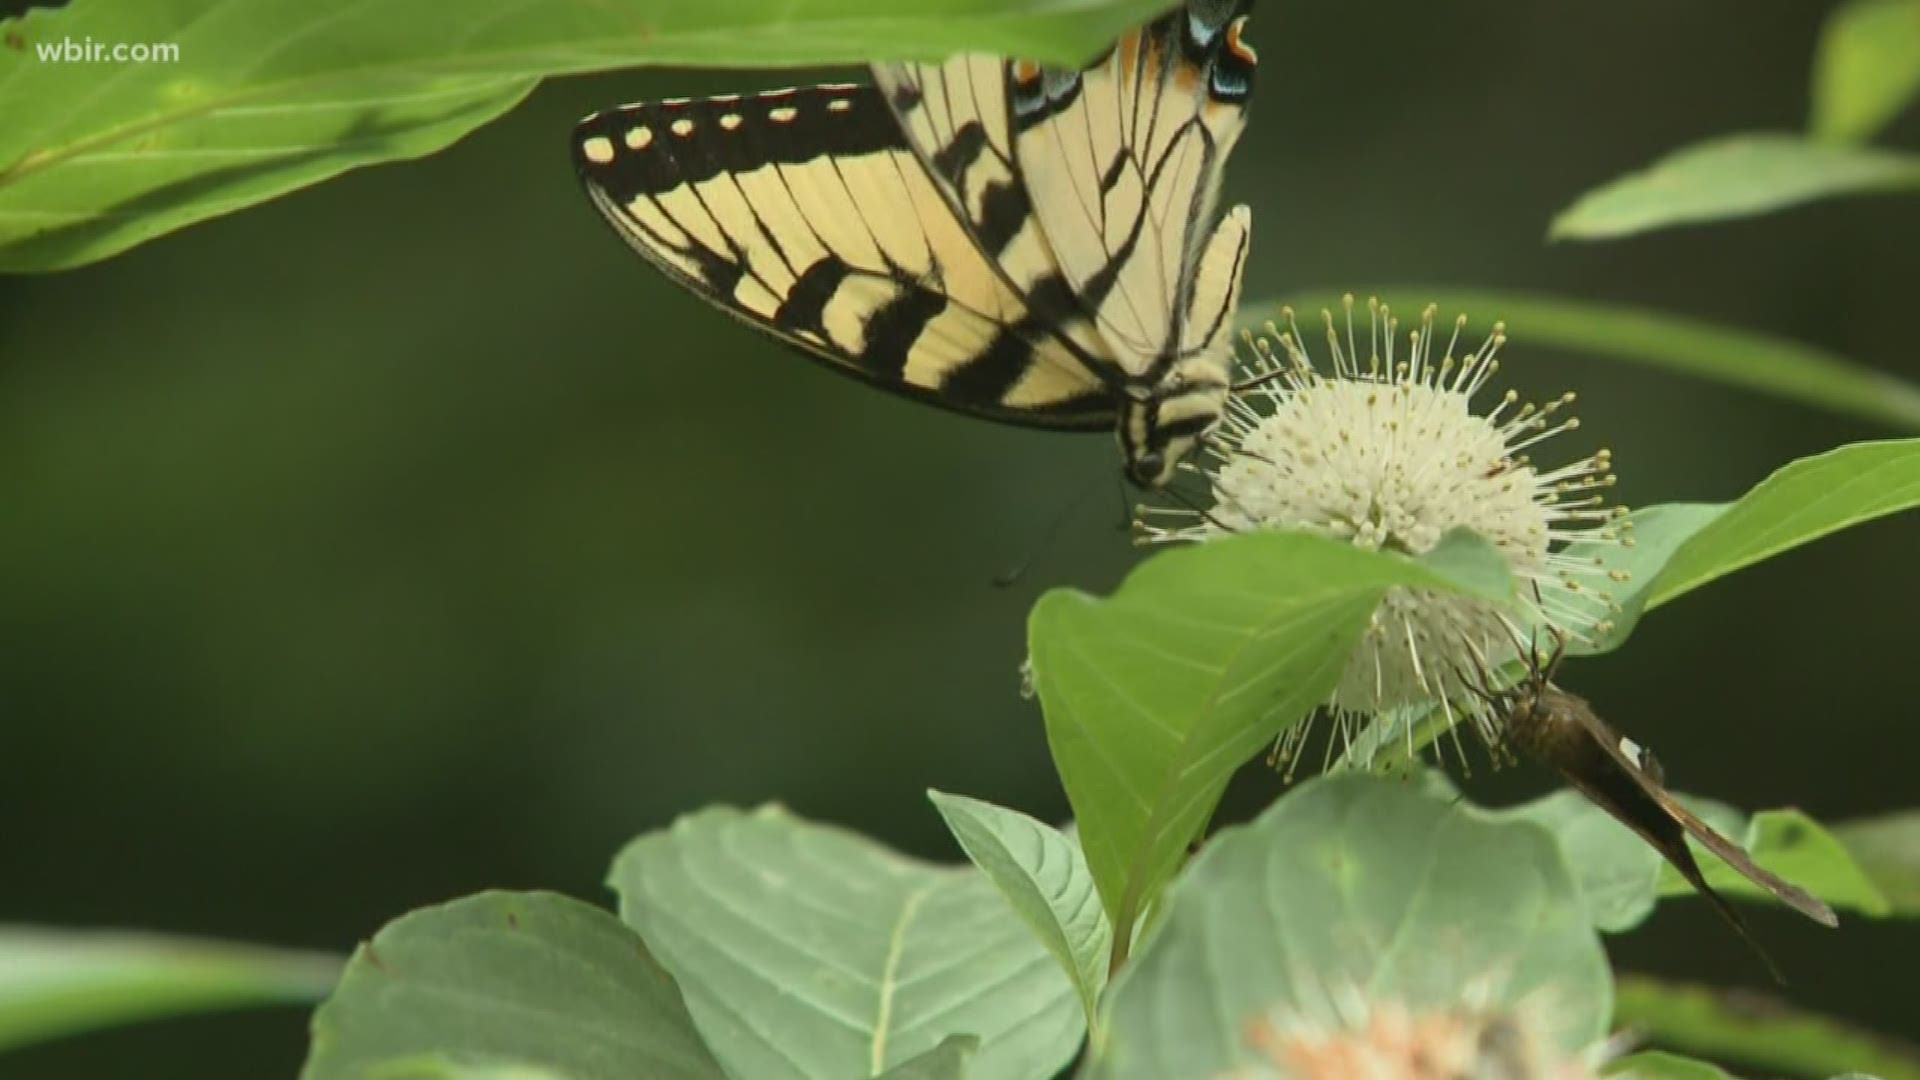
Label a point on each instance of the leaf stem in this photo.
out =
(1757, 1030)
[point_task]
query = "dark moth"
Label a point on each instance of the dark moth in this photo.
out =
(1563, 731)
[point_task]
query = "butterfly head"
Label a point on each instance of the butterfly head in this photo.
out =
(1160, 427)
(1530, 712)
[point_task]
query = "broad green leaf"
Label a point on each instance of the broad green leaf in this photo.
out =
(1681, 547)
(1355, 887)
(813, 953)
(1801, 502)
(58, 982)
(948, 1061)
(1617, 872)
(1659, 1065)
(267, 96)
(1745, 1029)
(1043, 874)
(450, 1067)
(517, 985)
(1790, 844)
(1730, 177)
(1887, 848)
(1867, 68)
(1786, 369)
(1206, 653)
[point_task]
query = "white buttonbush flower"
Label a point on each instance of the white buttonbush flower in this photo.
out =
(1383, 448)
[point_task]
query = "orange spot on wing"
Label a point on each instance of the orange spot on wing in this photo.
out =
(1237, 44)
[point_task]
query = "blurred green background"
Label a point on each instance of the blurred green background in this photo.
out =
(409, 536)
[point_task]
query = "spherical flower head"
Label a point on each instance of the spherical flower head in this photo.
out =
(1384, 449)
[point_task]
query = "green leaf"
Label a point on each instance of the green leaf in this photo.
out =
(1205, 654)
(1043, 874)
(58, 982)
(810, 952)
(513, 985)
(1801, 502)
(1730, 177)
(948, 1061)
(1617, 872)
(448, 1067)
(1790, 844)
(1678, 548)
(1659, 1065)
(1887, 848)
(1867, 68)
(1744, 1028)
(1355, 885)
(1770, 365)
(272, 95)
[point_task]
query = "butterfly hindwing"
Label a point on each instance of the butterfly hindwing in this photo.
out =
(1094, 190)
(807, 214)
(1213, 285)
(1122, 163)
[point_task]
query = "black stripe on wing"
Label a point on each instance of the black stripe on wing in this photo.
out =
(787, 210)
(782, 127)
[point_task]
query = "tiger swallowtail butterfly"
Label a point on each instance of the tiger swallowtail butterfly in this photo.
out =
(1023, 243)
(1618, 775)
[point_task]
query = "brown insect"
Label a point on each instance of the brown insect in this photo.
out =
(1619, 776)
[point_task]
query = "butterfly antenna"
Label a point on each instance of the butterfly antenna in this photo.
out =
(1552, 666)
(1260, 379)
(1125, 494)
(1184, 500)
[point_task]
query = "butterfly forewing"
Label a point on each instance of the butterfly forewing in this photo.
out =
(1735, 856)
(806, 213)
(1621, 778)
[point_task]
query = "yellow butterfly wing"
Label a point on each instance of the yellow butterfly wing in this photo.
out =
(807, 214)
(1097, 188)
